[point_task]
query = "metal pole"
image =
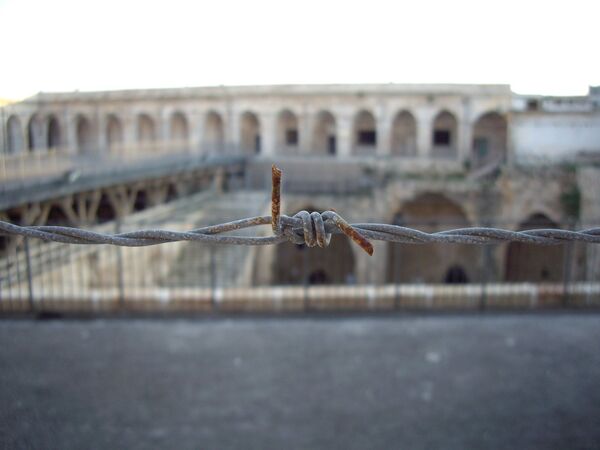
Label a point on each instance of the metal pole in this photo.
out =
(487, 263)
(213, 277)
(120, 275)
(29, 276)
(305, 263)
(567, 266)
(395, 270)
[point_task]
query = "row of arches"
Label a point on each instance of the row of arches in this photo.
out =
(489, 133)
(429, 263)
(48, 134)
(39, 134)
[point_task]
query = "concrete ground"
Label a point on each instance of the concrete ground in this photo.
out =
(447, 381)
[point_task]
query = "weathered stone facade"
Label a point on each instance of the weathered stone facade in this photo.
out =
(427, 156)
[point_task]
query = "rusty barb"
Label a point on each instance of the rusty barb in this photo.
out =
(313, 224)
(275, 197)
(308, 228)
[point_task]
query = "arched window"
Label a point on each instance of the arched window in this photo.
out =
(250, 134)
(84, 135)
(404, 135)
(179, 130)
(214, 136)
(54, 137)
(146, 129)
(324, 136)
(365, 133)
(444, 136)
(287, 132)
(16, 142)
(489, 139)
(114, 132)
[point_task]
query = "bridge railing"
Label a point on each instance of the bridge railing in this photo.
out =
(40, 166)
(34, 164)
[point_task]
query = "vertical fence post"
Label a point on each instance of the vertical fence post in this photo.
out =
(29, 275)
(567, 268)
(213, 277)
(305, 268)
(120, 275)
(487, 266)
(395, 270)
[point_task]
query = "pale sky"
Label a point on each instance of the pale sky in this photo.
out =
(545, 47)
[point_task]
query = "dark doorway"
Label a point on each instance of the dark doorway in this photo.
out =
(331, 145)
(456, 275)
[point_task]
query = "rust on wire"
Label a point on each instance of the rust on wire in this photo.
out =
(351, 232)
(275, 197)
(344, 226)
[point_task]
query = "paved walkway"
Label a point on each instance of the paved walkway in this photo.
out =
(454, 382)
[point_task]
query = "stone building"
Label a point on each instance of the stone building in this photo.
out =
(428, 156)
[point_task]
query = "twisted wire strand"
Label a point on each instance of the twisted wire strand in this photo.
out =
(303, 228)
(309, 228)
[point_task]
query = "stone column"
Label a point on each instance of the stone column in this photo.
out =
(465, 132)
(232, 131)
(510, 140)
(163, 126)
(464, 138)
(196, 130)
(344, 135)
(383, 127)
(305, 126)
(101, 134)
(424, 119)
(70, 135)
(268, 133)
(129, 129)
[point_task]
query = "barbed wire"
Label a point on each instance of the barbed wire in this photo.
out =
(309, 228)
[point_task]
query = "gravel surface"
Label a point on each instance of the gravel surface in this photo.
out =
(526, 381)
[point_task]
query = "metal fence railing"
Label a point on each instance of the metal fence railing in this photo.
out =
(37, 167)
(182, 276)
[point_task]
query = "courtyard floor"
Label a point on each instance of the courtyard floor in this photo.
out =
(400, 381)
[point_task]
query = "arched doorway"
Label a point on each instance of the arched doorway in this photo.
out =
(535, 263)
(250, 139)
(432, 263)
(146, 130)
(299, 264)
(489, 140)
(404, 135)
(84, 136)
(287, 132)
(54, 137)
(16, 142)
(324, 136)
(444, 136)
(114, 133)
(179, 131)
(214, 135)
(365, 133)
(35, 133)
